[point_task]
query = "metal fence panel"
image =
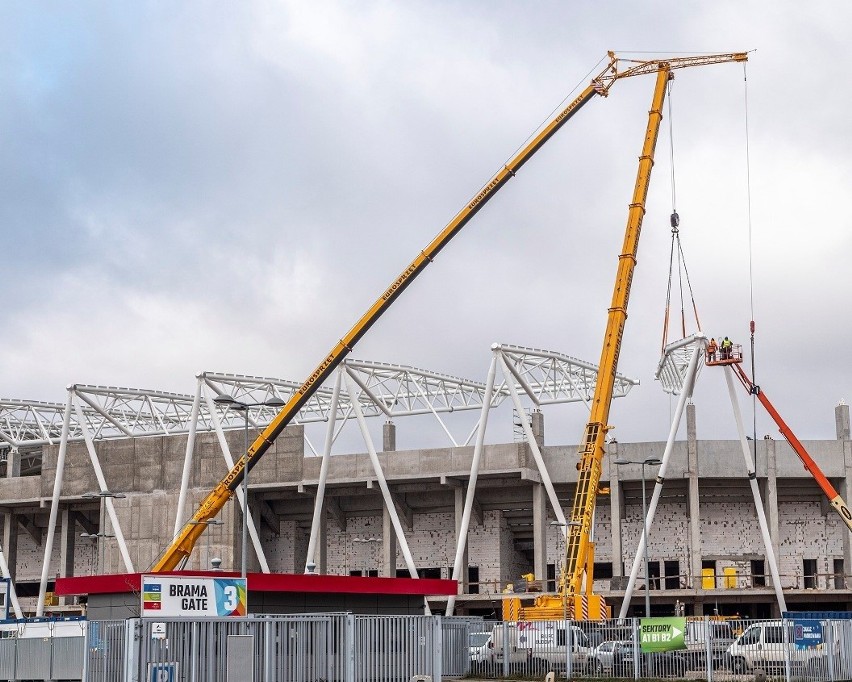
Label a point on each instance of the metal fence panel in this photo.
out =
(67, 658)
(8, 647)
(33, 659)
(391, 648)
(105, 650)
(455, 645)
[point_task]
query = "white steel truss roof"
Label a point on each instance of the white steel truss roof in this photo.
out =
(391, 390)
(552, 377)
(673, 365)
(30, 422)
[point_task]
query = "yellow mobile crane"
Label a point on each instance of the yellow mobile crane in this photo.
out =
(570, 600)
(181, 547)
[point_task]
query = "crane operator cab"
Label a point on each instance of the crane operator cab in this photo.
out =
(723, 352)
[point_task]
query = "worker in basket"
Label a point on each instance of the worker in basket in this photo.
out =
(712, 347)
(727, 347)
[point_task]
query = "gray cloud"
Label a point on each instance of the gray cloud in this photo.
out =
(190, 188)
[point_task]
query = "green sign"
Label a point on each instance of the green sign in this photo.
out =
(661, 634)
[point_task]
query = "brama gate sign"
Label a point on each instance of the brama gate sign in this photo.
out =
(193, 597)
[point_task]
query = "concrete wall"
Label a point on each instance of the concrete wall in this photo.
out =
(148, 472)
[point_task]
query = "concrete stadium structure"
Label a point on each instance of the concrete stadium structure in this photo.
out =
(705, 546)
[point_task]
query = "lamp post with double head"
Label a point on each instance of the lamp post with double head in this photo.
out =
(101, 495)
(97, 538)
(230, 402)
(649, 461)
(365, 542)
(209, 522)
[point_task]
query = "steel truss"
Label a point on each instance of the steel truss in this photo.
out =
(673, 367)
(373, 389)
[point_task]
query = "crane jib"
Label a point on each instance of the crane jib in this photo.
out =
(182, 546)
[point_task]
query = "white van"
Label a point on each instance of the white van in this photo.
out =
(698, 631)
(762, 645)
(534, 647)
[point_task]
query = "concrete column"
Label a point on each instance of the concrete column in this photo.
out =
(389, 437)
(539, 514)
(616, 506)
(537, 425)
(693, 499)
(10, 542)
(458, 498)
(321, 553)
(770, 501)
(66, 544)
(388, 546)
(846, 492)
(13, 463)
(841, 421)
(66, 548)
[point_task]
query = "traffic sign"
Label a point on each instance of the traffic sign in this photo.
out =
(661, 634)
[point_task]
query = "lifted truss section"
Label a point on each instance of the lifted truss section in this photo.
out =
(674, 364)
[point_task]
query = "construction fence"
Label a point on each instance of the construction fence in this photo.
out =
(343, 647)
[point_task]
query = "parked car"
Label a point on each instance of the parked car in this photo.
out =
(478, 645)
(603, 657)
(698, 632)
(656, 664)
(762, 645)
(532, 647)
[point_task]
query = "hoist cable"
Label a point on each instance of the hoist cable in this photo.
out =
(680, 265)
(671, 149)
(668, 301)
(676, 246)
(750, 265)
(691, 294)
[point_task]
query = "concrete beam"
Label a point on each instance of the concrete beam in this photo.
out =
(405, 512)
(389, 544)
(539, 514)
(693, 504)
(32, 530)
(269, 517)
(477, 514)
(84, 522)
(530, 475)
(10, 542)
(337, 514)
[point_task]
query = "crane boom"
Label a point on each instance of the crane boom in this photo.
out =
(181, 547)
(811, 467)
(592, 445)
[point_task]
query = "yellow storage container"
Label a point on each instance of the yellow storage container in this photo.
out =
(730, 578)
(708, 578)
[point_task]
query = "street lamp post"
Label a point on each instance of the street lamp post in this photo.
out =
(97, 538)
(650, 461)
(366, 541)
(207, 523)
(239, 406)
(101, 495)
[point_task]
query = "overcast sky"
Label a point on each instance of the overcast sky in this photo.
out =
(228, 186)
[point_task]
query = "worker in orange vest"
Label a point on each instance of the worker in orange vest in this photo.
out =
(711, 350)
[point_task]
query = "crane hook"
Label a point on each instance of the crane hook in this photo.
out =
(675, 221)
